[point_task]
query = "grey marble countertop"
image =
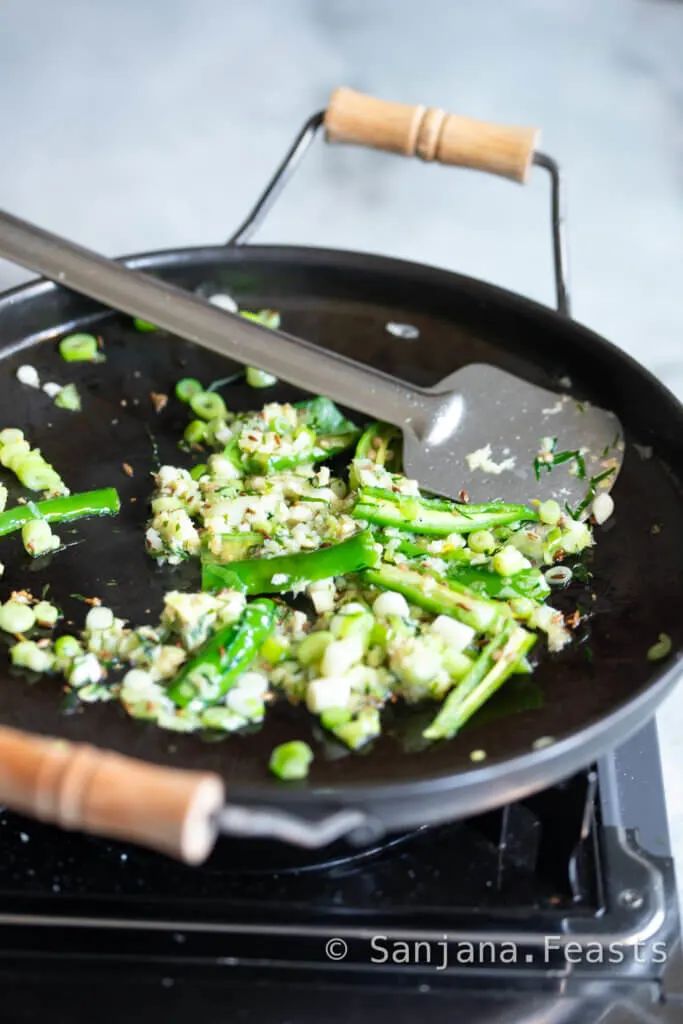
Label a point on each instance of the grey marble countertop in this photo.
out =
(136, 126)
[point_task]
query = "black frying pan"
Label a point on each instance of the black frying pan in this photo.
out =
(585, 700)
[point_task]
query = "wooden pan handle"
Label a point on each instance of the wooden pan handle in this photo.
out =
(430, 134)
(80, 787)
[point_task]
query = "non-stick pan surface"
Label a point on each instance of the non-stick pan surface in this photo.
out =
(586, 699)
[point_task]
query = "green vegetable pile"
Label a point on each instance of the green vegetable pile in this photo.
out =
(399, 596)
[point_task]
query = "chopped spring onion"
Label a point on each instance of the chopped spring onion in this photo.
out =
(16, 617)
(602, 508)
(406, 331)
(196, 432)
(27, 654)
(187, 387)
(259, 378)
(10, 435)
(28, 375)
(67, 647)
(99, 618)
(68, 398)
(38, 475)
(266, 317)
(509, 561)
(208, 405)
(38, 539)
(291, 760)
(79, 348)
(46, 614)
(549, 512)
(591, 492)
(661, 649)
(559, 575)
(548, 458)
(481, 542)
(32, 470)
(364, 727)
(223, 301)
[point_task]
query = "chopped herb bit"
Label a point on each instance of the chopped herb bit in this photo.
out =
(581, 573)
(593, 484)
(223, 381)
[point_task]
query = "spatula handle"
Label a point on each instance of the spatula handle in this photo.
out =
(80, 787)
(430, 134)
(191, 317)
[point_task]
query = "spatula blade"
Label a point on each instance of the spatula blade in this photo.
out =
(511, 441)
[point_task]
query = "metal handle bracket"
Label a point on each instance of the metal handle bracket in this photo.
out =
(302, 144)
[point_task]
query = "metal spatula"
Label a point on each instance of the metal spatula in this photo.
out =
(481, 431)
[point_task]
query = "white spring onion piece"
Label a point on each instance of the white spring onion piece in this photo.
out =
(28, 375)
(255, 684)
(16, 617)
(259, 378)
(245, 705)
(417, 666)
(99, 618)
(137, 681)
(558, 576)
(340, 655)
(27, 654)
(602, 508)
(330, 692)
(456, 634)
(222, 718)
(225, 302)
(509, 561)
(85, 669)
(322, 594)
(407, 331)
(353, 608)
(389, 603)
(38, 538)
(542, 741)
(51, 389)
(552, 623)
(46, 614)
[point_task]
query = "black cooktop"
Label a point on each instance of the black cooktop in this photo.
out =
(560, 907)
